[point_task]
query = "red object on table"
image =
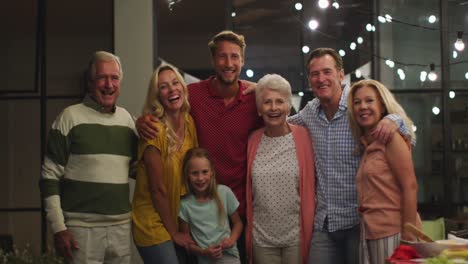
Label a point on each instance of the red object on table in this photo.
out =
(404, 252)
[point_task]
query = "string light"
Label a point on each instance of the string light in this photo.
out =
(401, 74)
(300, 94)
(358, 73)
(313, 24)
(435, 110)
(466, 75)
(369, 27)
(342, 52)
(336, 5)
(298, 6)
(233, 14)
(388, 18)
(390, 63)
(454, 54)
(249, 73)
(459, 44)
(360, 40)
(305, 49)
(352, 46)
(432, 76)
(432, 19)
(381, 19)
(422, 76)
(452, 94)
(323, 3)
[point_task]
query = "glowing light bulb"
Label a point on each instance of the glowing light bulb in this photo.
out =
(360, 40)
(388, 18)
(352, 46)
(298, 6)
(249, 73)
(381, 19)
(323, 3)
(373, 28)
(313, 24)
(452, 94)
(390, 63)
(459, 44)
(233, 14)
(423, 76)
(300, 94)
(305, 49)
(369, 27)
(435, 110)
(342, 52)
(401, 74)
(432, 76)
(454, 54)
(336, 5)
(466, 75)
(358, 73)
(432, 19)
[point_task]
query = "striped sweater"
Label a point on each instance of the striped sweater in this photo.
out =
(84, 179)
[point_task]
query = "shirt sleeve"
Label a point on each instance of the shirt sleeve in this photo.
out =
(183, 213)
(402, 127)
(231, 201)
(53, 169)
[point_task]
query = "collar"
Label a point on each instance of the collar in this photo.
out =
(89, 102)
(211, 88)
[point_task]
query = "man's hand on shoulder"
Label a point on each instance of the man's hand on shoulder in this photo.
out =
(146, 128)
(250, 87)
(384, 130)
(65, 243)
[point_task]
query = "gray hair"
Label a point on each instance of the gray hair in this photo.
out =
(273, 82)
(102, 56)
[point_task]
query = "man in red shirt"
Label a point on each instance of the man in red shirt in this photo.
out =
(223, 115)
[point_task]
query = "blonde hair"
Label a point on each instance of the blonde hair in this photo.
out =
(387, 99)
(229, 36)
(213, 187)
(154, 106)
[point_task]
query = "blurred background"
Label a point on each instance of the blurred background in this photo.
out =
(409, 45)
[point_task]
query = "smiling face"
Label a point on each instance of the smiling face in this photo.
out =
(325, 79)
(273, 108)
(171, 91)
(199, 176)
(368, 108)
(227, 62)
(104, 88)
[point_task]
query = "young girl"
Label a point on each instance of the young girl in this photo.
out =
(204, 212)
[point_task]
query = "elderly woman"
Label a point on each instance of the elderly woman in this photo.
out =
(280, 180)
(386, 183)
(159, 182)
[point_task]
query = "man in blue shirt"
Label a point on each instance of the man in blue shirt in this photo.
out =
(336, 229)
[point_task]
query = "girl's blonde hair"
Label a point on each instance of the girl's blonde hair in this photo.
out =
(213, 187)
(387, 99)
(154, 106)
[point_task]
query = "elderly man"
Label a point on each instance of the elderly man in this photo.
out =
(84, 180)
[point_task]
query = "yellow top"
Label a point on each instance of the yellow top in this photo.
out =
(148, 228)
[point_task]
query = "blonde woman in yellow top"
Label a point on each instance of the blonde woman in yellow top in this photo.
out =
(159, 183)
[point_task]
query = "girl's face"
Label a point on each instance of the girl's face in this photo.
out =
(199, 176)
(368, 109)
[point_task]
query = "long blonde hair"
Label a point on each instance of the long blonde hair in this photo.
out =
(154, 106)
(389, 102)
(213, 187)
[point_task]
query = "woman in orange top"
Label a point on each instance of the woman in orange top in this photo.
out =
(386, 183)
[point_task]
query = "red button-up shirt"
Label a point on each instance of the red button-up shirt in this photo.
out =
(224, 130)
